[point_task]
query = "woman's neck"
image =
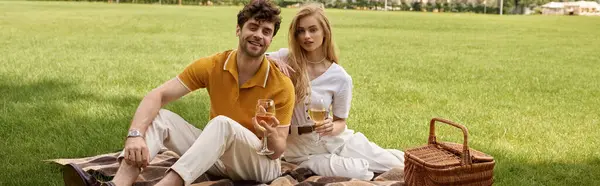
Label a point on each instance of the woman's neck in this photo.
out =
(317, 63)
(315, 57)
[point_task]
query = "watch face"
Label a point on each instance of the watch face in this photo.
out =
(134, 133)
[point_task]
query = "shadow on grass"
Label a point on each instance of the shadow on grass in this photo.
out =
(52, 118)
(59, 118)
(512, 171)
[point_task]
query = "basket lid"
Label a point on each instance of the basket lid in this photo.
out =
(444, 154)
(433, 156)
(476, 156)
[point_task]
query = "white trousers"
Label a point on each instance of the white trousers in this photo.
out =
(224, 148)
(356, 158)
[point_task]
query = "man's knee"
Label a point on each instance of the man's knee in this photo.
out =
(163, 116)
(220, 120)
(222, 123)
(165, 113)
(162, 120)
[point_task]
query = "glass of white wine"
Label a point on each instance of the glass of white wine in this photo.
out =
(265, 109)
(318, 113)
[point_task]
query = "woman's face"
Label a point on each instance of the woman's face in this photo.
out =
(309, 33)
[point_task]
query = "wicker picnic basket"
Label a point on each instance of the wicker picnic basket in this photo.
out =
(445, 163)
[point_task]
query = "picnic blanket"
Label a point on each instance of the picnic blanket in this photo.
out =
(105, 166)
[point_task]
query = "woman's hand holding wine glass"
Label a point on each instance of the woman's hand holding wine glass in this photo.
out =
(318, 113)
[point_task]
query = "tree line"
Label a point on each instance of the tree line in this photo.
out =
(472, 6)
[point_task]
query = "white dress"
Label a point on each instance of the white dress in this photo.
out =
(348, 154)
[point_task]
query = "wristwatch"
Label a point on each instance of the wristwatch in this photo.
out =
(134, 133)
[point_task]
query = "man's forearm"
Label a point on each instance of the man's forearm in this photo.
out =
(146, 112)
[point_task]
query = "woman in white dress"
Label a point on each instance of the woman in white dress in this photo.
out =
(331, 149)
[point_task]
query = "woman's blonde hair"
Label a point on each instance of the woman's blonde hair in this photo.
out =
(297, 56)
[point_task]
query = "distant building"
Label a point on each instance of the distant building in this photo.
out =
(571, 8)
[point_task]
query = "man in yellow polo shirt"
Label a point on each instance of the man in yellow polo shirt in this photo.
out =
(228, 146)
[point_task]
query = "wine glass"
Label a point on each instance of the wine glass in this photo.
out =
(265, 109)
(318, 113)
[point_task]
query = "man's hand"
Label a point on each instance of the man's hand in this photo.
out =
(261, 126)
(136, 152)
(276, 140)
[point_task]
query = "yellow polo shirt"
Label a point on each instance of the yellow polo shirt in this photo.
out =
(219, 75)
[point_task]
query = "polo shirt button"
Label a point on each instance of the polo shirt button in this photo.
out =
(307, 117)
(306, 110)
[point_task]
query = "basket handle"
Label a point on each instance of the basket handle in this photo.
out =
(466, 155)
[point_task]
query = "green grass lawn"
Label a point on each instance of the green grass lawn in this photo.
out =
(527, 87)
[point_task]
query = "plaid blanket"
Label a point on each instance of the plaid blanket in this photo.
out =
(105, 166)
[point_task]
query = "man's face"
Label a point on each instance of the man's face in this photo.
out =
(255, 37)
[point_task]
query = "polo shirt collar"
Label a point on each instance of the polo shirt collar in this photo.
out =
(259, 79)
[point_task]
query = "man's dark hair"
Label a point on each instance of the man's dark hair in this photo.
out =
(261, 10)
